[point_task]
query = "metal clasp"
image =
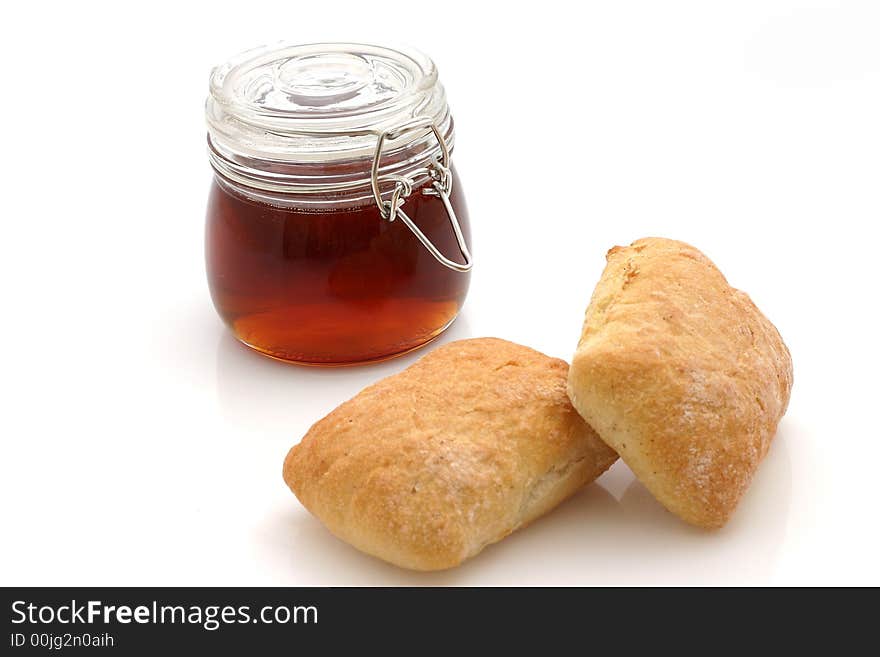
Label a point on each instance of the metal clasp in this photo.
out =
(441, 186)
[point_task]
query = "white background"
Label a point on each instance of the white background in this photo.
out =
(143, 445)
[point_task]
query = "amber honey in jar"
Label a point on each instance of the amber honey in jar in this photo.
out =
(337, 232)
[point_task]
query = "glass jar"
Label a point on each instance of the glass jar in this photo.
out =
(337, 231)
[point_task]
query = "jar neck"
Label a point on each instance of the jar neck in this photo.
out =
(326, 184)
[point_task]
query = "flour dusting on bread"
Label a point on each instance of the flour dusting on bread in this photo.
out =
(682, 375)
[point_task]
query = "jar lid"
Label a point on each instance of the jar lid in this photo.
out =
(323, 102)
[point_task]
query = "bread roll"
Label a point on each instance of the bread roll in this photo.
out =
(427, 467)
(682, 375)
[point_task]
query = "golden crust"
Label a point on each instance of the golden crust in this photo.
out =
(425, 468)
(682, 375)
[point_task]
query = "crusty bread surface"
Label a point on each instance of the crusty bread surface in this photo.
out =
(425, 468)
(682, 375)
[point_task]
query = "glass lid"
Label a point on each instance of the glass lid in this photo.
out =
(325, 101)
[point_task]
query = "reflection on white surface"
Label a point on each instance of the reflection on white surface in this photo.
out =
(263, 394)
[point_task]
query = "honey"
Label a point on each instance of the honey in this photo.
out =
(330, 288)
(336, 228)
